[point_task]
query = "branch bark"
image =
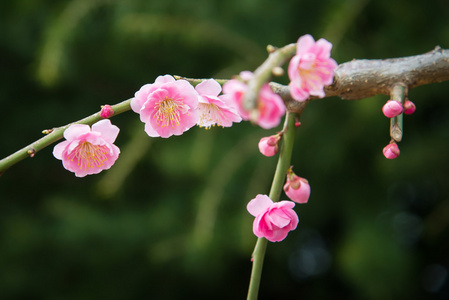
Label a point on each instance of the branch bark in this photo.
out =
(363, 78)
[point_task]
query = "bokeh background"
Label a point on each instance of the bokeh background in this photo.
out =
(169, 220)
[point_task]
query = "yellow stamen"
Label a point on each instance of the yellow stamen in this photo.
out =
(88, 156)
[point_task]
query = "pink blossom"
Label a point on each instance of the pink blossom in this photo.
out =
(106, 111)
(167, 106)
(213, 109)
(273, 220)
(409, 107)
(392, 108)
(270, 107)
(297, 188)
(391, 151)
(268, 146)
(88, 151)
(311, 68)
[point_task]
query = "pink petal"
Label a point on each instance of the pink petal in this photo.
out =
(59, 149)
(259, 205)
(141, 96)
(164, 79)
(108, 131)
(323, 49)
(279, 218)
(208, 87)
(304, 44)
(75, 130)
(150, 130)
(293, 66)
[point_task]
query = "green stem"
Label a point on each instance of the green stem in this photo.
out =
(398, 93)
(54, 135)
(264, 72)
(275, 192)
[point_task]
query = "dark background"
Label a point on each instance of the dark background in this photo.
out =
(169, 220)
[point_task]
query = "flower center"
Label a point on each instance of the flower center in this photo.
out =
(89, 156)
(210, 115)
(168, 113)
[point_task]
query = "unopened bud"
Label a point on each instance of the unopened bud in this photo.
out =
(409, 107)
(269, 146)
(277, 71)
(106, 111)
(391, 151)
(392, 108)
(297, 188)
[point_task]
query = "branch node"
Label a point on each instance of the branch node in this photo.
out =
(277, 71)
(31, 152)
(271, 48)
(47, 131)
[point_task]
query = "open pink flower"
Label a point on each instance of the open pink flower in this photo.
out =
(214, 109)
(392, 108)
(297, 188)
(167, 107)
(88, 151)
(269, 145)
(311, 68)
(270, 107)
(274, 220)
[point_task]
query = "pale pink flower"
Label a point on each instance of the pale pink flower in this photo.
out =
(274, 220)
(409, 107)
(392, 108)
(391, 151)
(214, 109)
(88, 151)
(106, 111)
(311, 68)
(270, 107)
(297, 188)
(167, 107)
(269, 145)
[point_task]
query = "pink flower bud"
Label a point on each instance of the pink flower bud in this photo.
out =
(297, 188)
(391, 151)
(106, 111)
(269, 146)
(392, 108)
(409, 107)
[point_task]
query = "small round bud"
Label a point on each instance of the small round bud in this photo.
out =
(106, 111)
(409, 107)
(297, 188)
(277, 71)
(391, 151)
(392, 108)
(269, 146)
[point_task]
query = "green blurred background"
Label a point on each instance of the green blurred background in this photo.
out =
(169, 220)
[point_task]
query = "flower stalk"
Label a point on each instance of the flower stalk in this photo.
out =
(283, 164)
(398, 93)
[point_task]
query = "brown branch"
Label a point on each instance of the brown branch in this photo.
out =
(360, 79)
(363, 78)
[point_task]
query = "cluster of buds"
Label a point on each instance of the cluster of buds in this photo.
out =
(393, 109)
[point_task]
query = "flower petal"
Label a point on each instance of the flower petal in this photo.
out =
(259, 205)
(108, 131)
(208, 87)
(75, 130)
